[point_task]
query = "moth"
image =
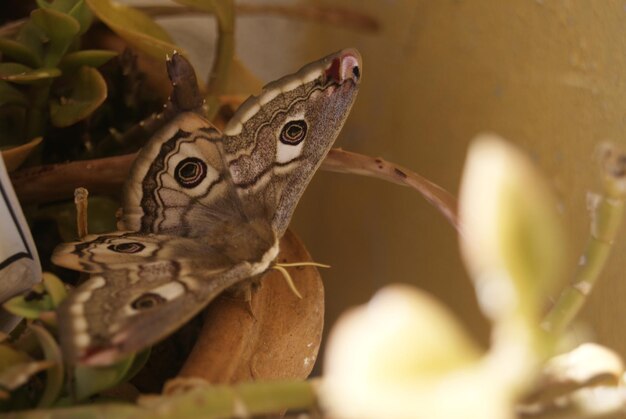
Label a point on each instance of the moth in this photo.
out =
(202, 210)
(19, 263)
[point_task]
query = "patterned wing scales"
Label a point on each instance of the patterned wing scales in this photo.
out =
(99, 253)
(276, 141)
(177, 185)
(122, 311)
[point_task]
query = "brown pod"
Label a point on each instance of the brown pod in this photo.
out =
(271, 335)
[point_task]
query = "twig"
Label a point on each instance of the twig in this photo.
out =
(607, 212)
(185, 96)
(342, 161)
(105, 176)
(218, 77)
(57, 181)
(322, 14)
(81, 202)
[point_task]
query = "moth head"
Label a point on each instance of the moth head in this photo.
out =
(280, 137)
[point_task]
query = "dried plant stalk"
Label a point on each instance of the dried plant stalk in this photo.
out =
(105, 176)
(342, 161)
(338, 16)
(81, 196)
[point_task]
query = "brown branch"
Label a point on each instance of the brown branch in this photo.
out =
(57, 181)
(185, 96)
(105, 176)
(322, 14)
(342, 161)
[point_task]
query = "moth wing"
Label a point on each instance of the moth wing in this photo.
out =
(122, 311)
(19, 263)
(275, 142)
(178, 185)
(99, 253)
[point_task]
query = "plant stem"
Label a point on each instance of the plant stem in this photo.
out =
(216, 84)
(607, 212)
(104, 176)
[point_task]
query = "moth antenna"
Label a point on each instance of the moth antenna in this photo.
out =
(80, 201)
(289, 280)
(288, 265)
(280, 267)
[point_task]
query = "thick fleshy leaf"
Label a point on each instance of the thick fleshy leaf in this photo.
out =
(30, 305)
(137, 28)
(139, 362)
(32, 38)
(78, 9)
(20, 74)
(54, 375)
(92, 380)
(87, 91)
(59, 5)
(208, 6)
(15, 156)
(60, 30)
(18, 374)
(55, 288)
(9, 95)
(10, 356)
(18, 52)
(88, 57)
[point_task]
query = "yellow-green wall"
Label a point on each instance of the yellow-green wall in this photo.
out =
(547, 75)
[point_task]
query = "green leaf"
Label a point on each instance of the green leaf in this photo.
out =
(19, 52)
(32, 38)
(137, 28)
(98, 410)
(31, 304)
(10, 356)
(138, 363)
(55, 374)
(92, 380)
(207, 6)
(88, 57)
(223, 10)
(55, 288)
(60, 30)
(83, 15)
(59, 5)
(18, 374)
(9, 95)
(76, 8)
(14, 156)
(20, 74)
(87, 91)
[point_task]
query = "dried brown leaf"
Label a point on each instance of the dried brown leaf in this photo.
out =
(275, 335)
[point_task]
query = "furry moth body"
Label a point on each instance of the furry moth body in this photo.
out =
(202, 210)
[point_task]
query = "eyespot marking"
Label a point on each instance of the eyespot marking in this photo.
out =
(147, 301)
(190, 172)
(129, 247)
(293, 133)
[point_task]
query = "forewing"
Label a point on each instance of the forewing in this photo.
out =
(178, 185)
(276, 141)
